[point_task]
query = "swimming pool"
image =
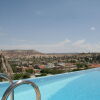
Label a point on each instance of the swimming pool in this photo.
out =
(81, 85)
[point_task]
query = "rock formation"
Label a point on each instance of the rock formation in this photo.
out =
(5, 66)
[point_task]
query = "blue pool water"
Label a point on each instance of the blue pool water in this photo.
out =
(82, 85)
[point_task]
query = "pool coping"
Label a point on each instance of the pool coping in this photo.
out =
(56, 75)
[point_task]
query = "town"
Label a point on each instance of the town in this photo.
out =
(38, 64)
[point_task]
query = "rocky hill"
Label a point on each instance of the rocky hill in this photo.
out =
(21, 53)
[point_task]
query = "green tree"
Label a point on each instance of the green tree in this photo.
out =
(29, 71)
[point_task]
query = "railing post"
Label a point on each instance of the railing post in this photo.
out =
(4, 76)
(18, 83)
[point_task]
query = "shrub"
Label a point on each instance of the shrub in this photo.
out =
(29, 71)
(52, 71)
(21, 76)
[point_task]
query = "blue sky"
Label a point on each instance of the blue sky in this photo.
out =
(50, 25)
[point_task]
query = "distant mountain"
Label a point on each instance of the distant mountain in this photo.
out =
(28, 53)
(18, 53)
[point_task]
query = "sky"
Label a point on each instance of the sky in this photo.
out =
(50, 26)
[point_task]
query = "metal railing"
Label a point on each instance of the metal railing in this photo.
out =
(4, 76)
(18, 83)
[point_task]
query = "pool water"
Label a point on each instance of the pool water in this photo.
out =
(83, 85)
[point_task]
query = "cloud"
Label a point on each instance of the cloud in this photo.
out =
(92, 28)
(65, 46)
(41, 47)
(63, 42)
(79, 42)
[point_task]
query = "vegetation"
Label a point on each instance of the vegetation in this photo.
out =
(51, 71)
(30, 71)
(81, 65)
(79, 61)
(21, 76)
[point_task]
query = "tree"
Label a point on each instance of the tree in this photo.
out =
(29, 71)
(21, 76)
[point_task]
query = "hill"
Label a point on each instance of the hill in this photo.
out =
(21, 53)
